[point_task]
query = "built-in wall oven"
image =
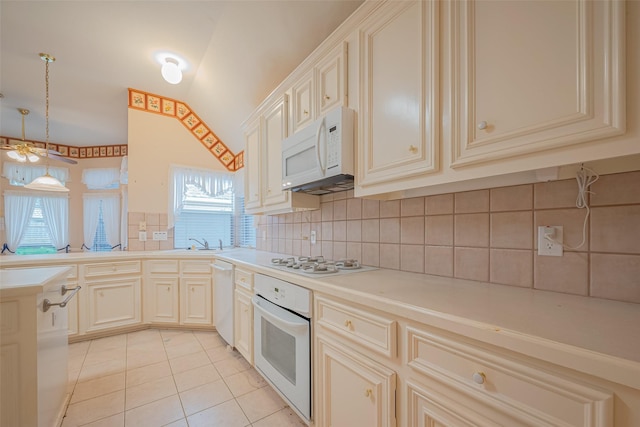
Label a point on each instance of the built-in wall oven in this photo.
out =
(282, 339)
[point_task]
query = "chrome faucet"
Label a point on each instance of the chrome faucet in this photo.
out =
(220, 243)
(205, 244)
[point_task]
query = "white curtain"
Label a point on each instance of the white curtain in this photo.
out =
(20, 174)
(18, 207)
(124, 224)
(124, 170)
(210, 183)
(111, 218)
(55, 211)
(101, 178)
(91, 215)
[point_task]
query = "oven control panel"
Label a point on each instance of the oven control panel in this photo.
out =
(284, 294)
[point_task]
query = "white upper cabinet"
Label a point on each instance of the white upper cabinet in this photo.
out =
(398, 105)
(252, 166)
(302, 103)
(275, 130)
(531, 76)
(331, 75)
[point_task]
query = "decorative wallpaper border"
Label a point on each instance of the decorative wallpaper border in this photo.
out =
(71, 151)
(181, 111)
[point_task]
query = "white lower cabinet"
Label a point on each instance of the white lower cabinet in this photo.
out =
(195, 301)
(243, 324)
(353, 390)
(113, 303)
(162, 305)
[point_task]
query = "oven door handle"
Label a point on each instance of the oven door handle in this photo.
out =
(297, 326)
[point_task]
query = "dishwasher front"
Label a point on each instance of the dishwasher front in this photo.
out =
(223, 300)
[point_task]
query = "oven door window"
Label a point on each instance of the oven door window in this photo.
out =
(279, 349)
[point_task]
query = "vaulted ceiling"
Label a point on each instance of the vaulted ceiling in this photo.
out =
(236, 51)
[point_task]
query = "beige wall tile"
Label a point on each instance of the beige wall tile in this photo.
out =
(371, 254)
(354, 230)
(166, 244)
(339, 210)
(326, 198)
(305, 248)
(371, 230)
(472, 201)
(135, 217)
(288, 231)
(390, 230)
(555, 194)
(471, 230)
(412, 258)
(389, 208)
(567, 274)
(341, 195)
(438, 205)
(513, 230)
(297, 247)
(616, 189)
(339, 231)
(438, 260)
(439, 230)
(571, 220)
(326, 232)
(616, 229)
(339, 250)
(511, 267)
(297, 217)
(152, 218)
(316, 215)
(327, 249)
(164, 221)
(326, 211)
(297, 231)
(412, 230)
(412, 207)
(370, 208)
(288, 247)
(354, 251)
(517, 198)
(135, 245)
(354, 208)
(152, 245)
(390, 256)
(615, 277)
(471, 263)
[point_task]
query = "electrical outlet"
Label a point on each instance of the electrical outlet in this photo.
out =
(142, 236)
(547, 247)
(159, 235)
(313, 237)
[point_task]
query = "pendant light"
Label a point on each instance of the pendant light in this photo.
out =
(47, 182)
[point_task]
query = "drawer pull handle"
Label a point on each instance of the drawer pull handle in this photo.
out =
(479, 377)
(368, 393)
(347, 324)
(482, 125)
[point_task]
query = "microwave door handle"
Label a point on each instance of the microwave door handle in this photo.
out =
(320, 126)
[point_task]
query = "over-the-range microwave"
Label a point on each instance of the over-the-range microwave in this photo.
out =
(319, 158)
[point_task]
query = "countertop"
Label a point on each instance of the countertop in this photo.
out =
(15, 283)
(595, 336)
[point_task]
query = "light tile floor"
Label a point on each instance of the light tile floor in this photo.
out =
(171, 378)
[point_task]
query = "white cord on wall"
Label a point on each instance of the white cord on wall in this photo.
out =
(585, 178)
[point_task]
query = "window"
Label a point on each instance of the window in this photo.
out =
(245, 231)
(100, 242)
(36, 238)
(101, 216)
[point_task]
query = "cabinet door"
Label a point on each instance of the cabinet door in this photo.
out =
(275, 130)
(72, 310)
(332, 80)
(398, 118)
(162, 304)
(352, 389)
(252, 166)
(195, 301)
(556, 80)
(244, 324)
(113, 303)
(302, 103)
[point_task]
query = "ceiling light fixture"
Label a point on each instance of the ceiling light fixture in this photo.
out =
(22, 153)
(171, 71)
(46, 182)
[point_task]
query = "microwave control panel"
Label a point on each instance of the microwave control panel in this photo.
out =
(333, 147)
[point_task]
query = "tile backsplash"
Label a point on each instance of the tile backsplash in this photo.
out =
(155, 222)
(484, 235)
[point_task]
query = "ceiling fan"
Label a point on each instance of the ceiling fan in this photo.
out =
(25, 150)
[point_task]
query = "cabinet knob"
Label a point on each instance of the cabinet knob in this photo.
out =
(168, 288)
(242, 279)
(479, 377)
(413, 149)
(327, 97)
(347, 323)
(482, 125)
(193, 289)
(368, 393)
(305, 112)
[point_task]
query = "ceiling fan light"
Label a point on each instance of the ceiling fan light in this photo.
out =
(33, 158)
(46, 183)
(17, 156)
(171, 71)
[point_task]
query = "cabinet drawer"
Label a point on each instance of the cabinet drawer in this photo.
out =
(111, 268)
(244, 279)
(73, 273)
(195, 266)
(370, 330)
(536, 396)
(164, 266)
